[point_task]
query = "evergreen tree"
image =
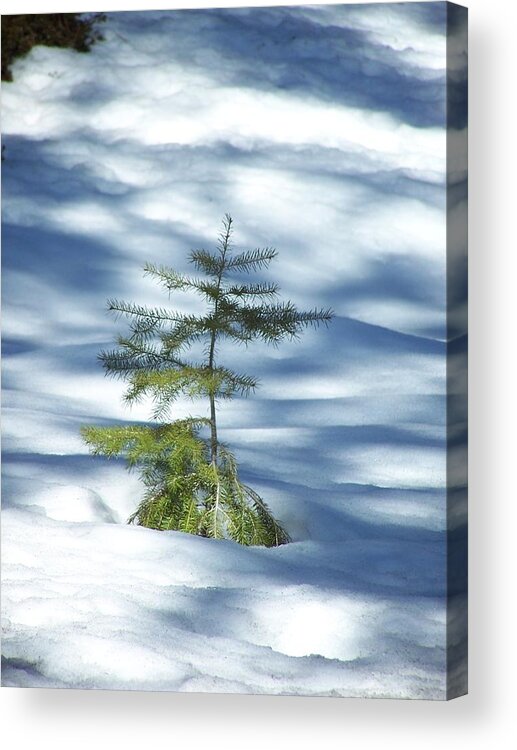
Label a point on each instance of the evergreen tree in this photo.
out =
(191, 481)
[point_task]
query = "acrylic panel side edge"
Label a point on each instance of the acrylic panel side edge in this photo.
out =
(457, 350)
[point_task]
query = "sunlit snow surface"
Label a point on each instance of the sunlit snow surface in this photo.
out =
(321, 130)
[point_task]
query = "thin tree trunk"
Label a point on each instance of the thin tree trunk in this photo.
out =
(213, 423)
(213, 431)
(211, 355)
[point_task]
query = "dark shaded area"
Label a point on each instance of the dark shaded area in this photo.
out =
(321, 446)
(417, 280)
(457, 75)
(34, 169)
(296, 49)
(349, 343)
(60, 258)
(333, 63)
(11, 667)
(399, 182)
(332, 503)
(20, 33)
(432, 17)
(13, 346)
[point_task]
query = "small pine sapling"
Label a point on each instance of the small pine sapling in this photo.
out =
(192, 482)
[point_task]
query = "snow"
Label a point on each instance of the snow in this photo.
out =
(112, 606)
(291, 120)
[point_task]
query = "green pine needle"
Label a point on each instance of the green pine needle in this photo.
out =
(191, 479)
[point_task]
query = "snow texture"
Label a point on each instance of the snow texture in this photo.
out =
(321, 130)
